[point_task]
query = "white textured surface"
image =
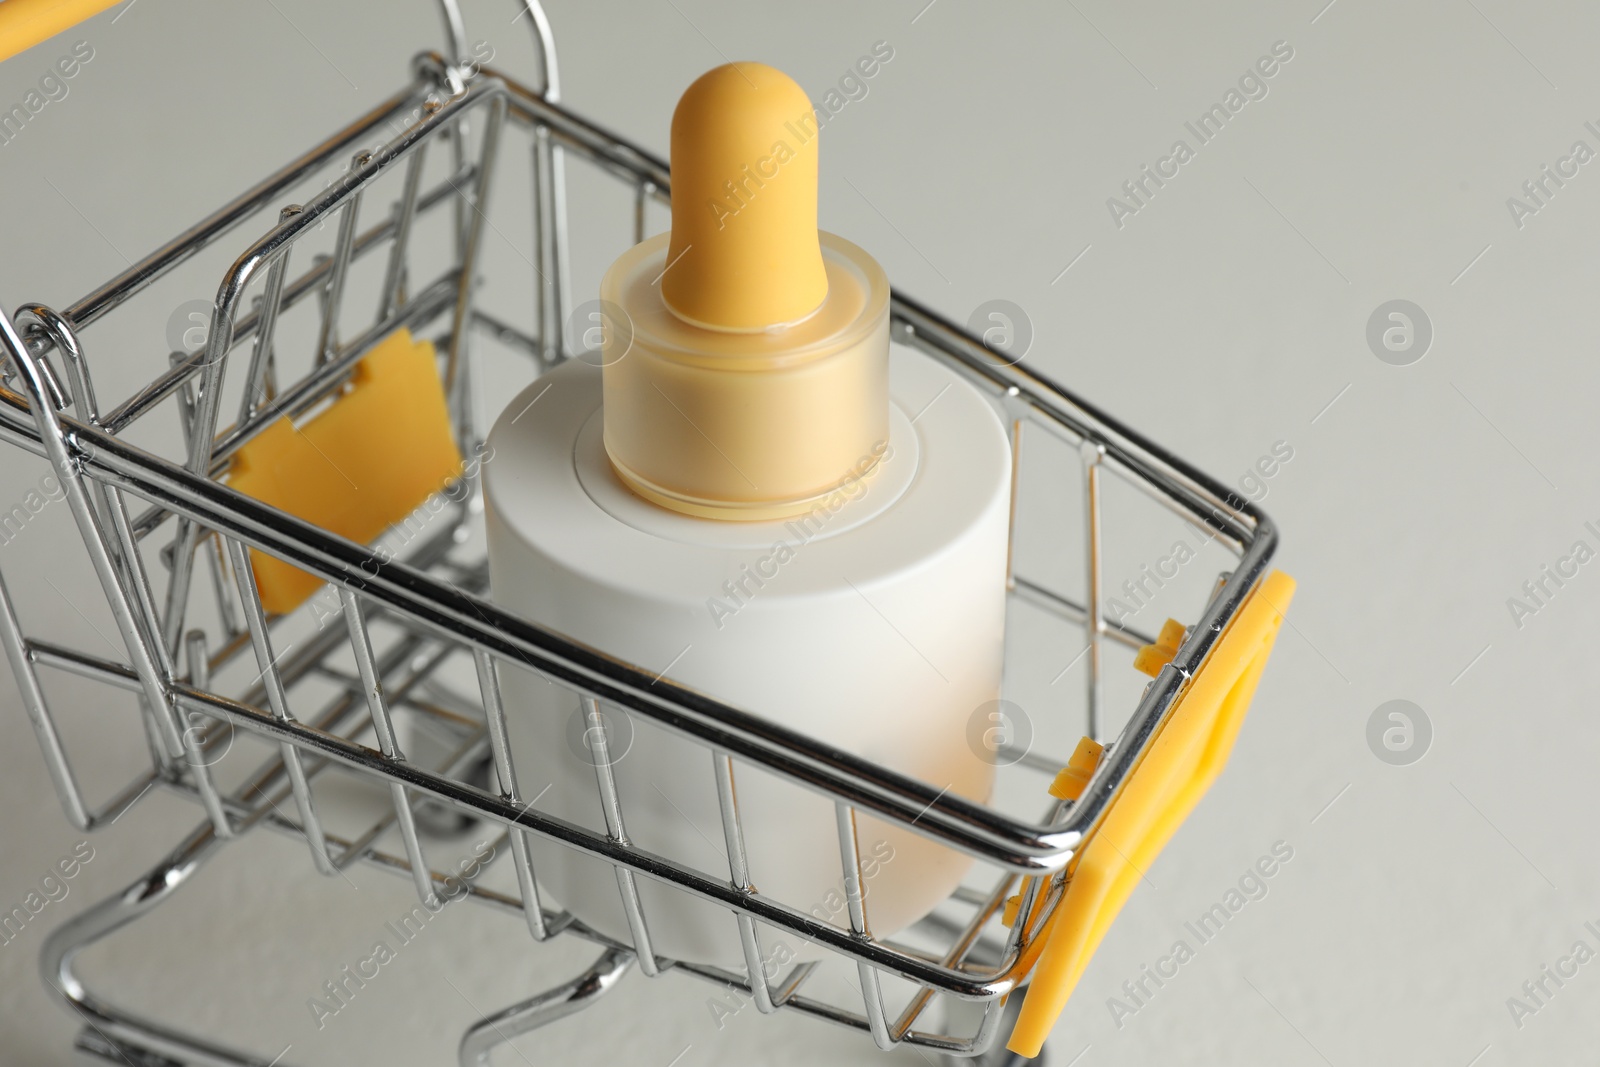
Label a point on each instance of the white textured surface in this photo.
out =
(1221, 319)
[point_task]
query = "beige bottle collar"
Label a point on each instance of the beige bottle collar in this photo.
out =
(744, 426)
(858, 295)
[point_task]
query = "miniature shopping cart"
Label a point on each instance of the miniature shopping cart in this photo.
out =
(170, 541)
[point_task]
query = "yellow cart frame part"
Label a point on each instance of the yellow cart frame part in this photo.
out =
(1183, 761)
(25, 23)
(365, 463)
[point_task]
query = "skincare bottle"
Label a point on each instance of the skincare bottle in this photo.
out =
(745, 490)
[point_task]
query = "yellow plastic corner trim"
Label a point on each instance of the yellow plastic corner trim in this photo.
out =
(357, 468)
(1079, 769)
(1151, 658)
(1180, 766)
(25, 23)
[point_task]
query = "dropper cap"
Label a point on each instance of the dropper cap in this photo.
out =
(744, 249)
(746, 373)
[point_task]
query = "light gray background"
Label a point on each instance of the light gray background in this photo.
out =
(1225, 316)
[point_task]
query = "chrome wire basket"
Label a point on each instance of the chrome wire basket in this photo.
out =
(408, 618)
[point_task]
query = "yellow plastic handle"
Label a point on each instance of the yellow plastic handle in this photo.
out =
(1182, 762)
(25, 23)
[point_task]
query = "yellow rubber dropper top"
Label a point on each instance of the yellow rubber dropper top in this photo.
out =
(744, 255)
(746, 360)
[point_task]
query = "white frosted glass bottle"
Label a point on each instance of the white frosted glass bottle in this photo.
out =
(784, 517)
